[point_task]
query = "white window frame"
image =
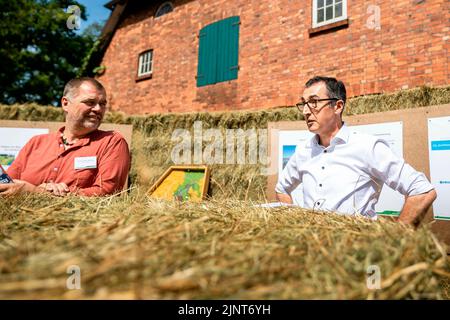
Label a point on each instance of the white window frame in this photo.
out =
(315, 24)
(145, 65)
(161, 6)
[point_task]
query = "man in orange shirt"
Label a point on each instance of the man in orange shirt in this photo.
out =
(79, 158)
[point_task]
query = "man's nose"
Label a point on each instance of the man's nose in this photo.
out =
(306, 109)
(97, 107)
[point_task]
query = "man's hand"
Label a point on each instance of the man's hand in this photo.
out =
(416, 207)
(284, 198)
(57, 189)
(18, 186)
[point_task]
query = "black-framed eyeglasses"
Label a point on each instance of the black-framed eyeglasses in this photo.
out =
(312, 104)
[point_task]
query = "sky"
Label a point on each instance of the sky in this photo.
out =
(96, 12)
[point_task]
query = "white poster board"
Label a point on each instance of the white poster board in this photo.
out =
(439, 148)
(390, 201)
(12, 140)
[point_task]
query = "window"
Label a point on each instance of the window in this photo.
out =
(163, 9)
(218, 52)
(145, 64)
(328, 11)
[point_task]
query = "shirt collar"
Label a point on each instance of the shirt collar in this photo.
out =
(340, 138)
(342, 135)
(81, 142)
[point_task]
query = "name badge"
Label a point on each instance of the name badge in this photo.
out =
(85, 163)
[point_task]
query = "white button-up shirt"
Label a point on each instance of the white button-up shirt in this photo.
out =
(347, 176)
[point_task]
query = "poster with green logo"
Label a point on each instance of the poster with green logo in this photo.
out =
(439, 146)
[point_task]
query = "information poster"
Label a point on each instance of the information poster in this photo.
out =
(390, 201)
(12, 140)
(439, 148)
(288, 141)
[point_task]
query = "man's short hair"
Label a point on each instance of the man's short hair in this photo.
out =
(335, 88)
(71, 88)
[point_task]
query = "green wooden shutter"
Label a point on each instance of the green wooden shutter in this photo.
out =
(228, 49)
(218, 52)
(207, 55)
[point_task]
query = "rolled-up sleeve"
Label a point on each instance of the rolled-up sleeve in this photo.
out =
(290, 177)
(395, 172)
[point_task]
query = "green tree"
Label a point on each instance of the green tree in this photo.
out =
(39, 53)
(94, 30)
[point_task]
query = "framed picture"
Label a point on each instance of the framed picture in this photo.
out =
(182, 183)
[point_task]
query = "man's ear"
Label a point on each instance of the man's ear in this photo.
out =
(64, 103)
(339, 107)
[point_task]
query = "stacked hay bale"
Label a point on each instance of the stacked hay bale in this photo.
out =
(136, 247)
(153, 143)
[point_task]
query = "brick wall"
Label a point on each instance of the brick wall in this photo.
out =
(277, 55)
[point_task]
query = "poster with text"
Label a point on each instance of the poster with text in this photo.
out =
(390, 201)
(12, 140)
(439, 146)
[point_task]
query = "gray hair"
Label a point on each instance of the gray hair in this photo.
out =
(71, 88)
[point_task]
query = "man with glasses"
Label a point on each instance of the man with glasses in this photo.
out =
(79, 158)
(342, 171)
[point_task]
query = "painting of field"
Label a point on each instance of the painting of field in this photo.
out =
(6, 159)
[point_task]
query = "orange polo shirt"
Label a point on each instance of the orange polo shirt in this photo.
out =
(94, 166)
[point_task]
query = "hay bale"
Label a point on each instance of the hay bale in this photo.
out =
(152, 134)
(135, 247)
(403, 99)
(31, 112)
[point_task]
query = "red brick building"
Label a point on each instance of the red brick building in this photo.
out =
(155, 51)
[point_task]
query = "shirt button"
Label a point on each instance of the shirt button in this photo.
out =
(320, 185)
(325, 151)
(323, 168)
(61, 145)
(318, 203)
(55, 169)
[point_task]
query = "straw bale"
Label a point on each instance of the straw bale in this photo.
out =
(134, 247)
(152, 144)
